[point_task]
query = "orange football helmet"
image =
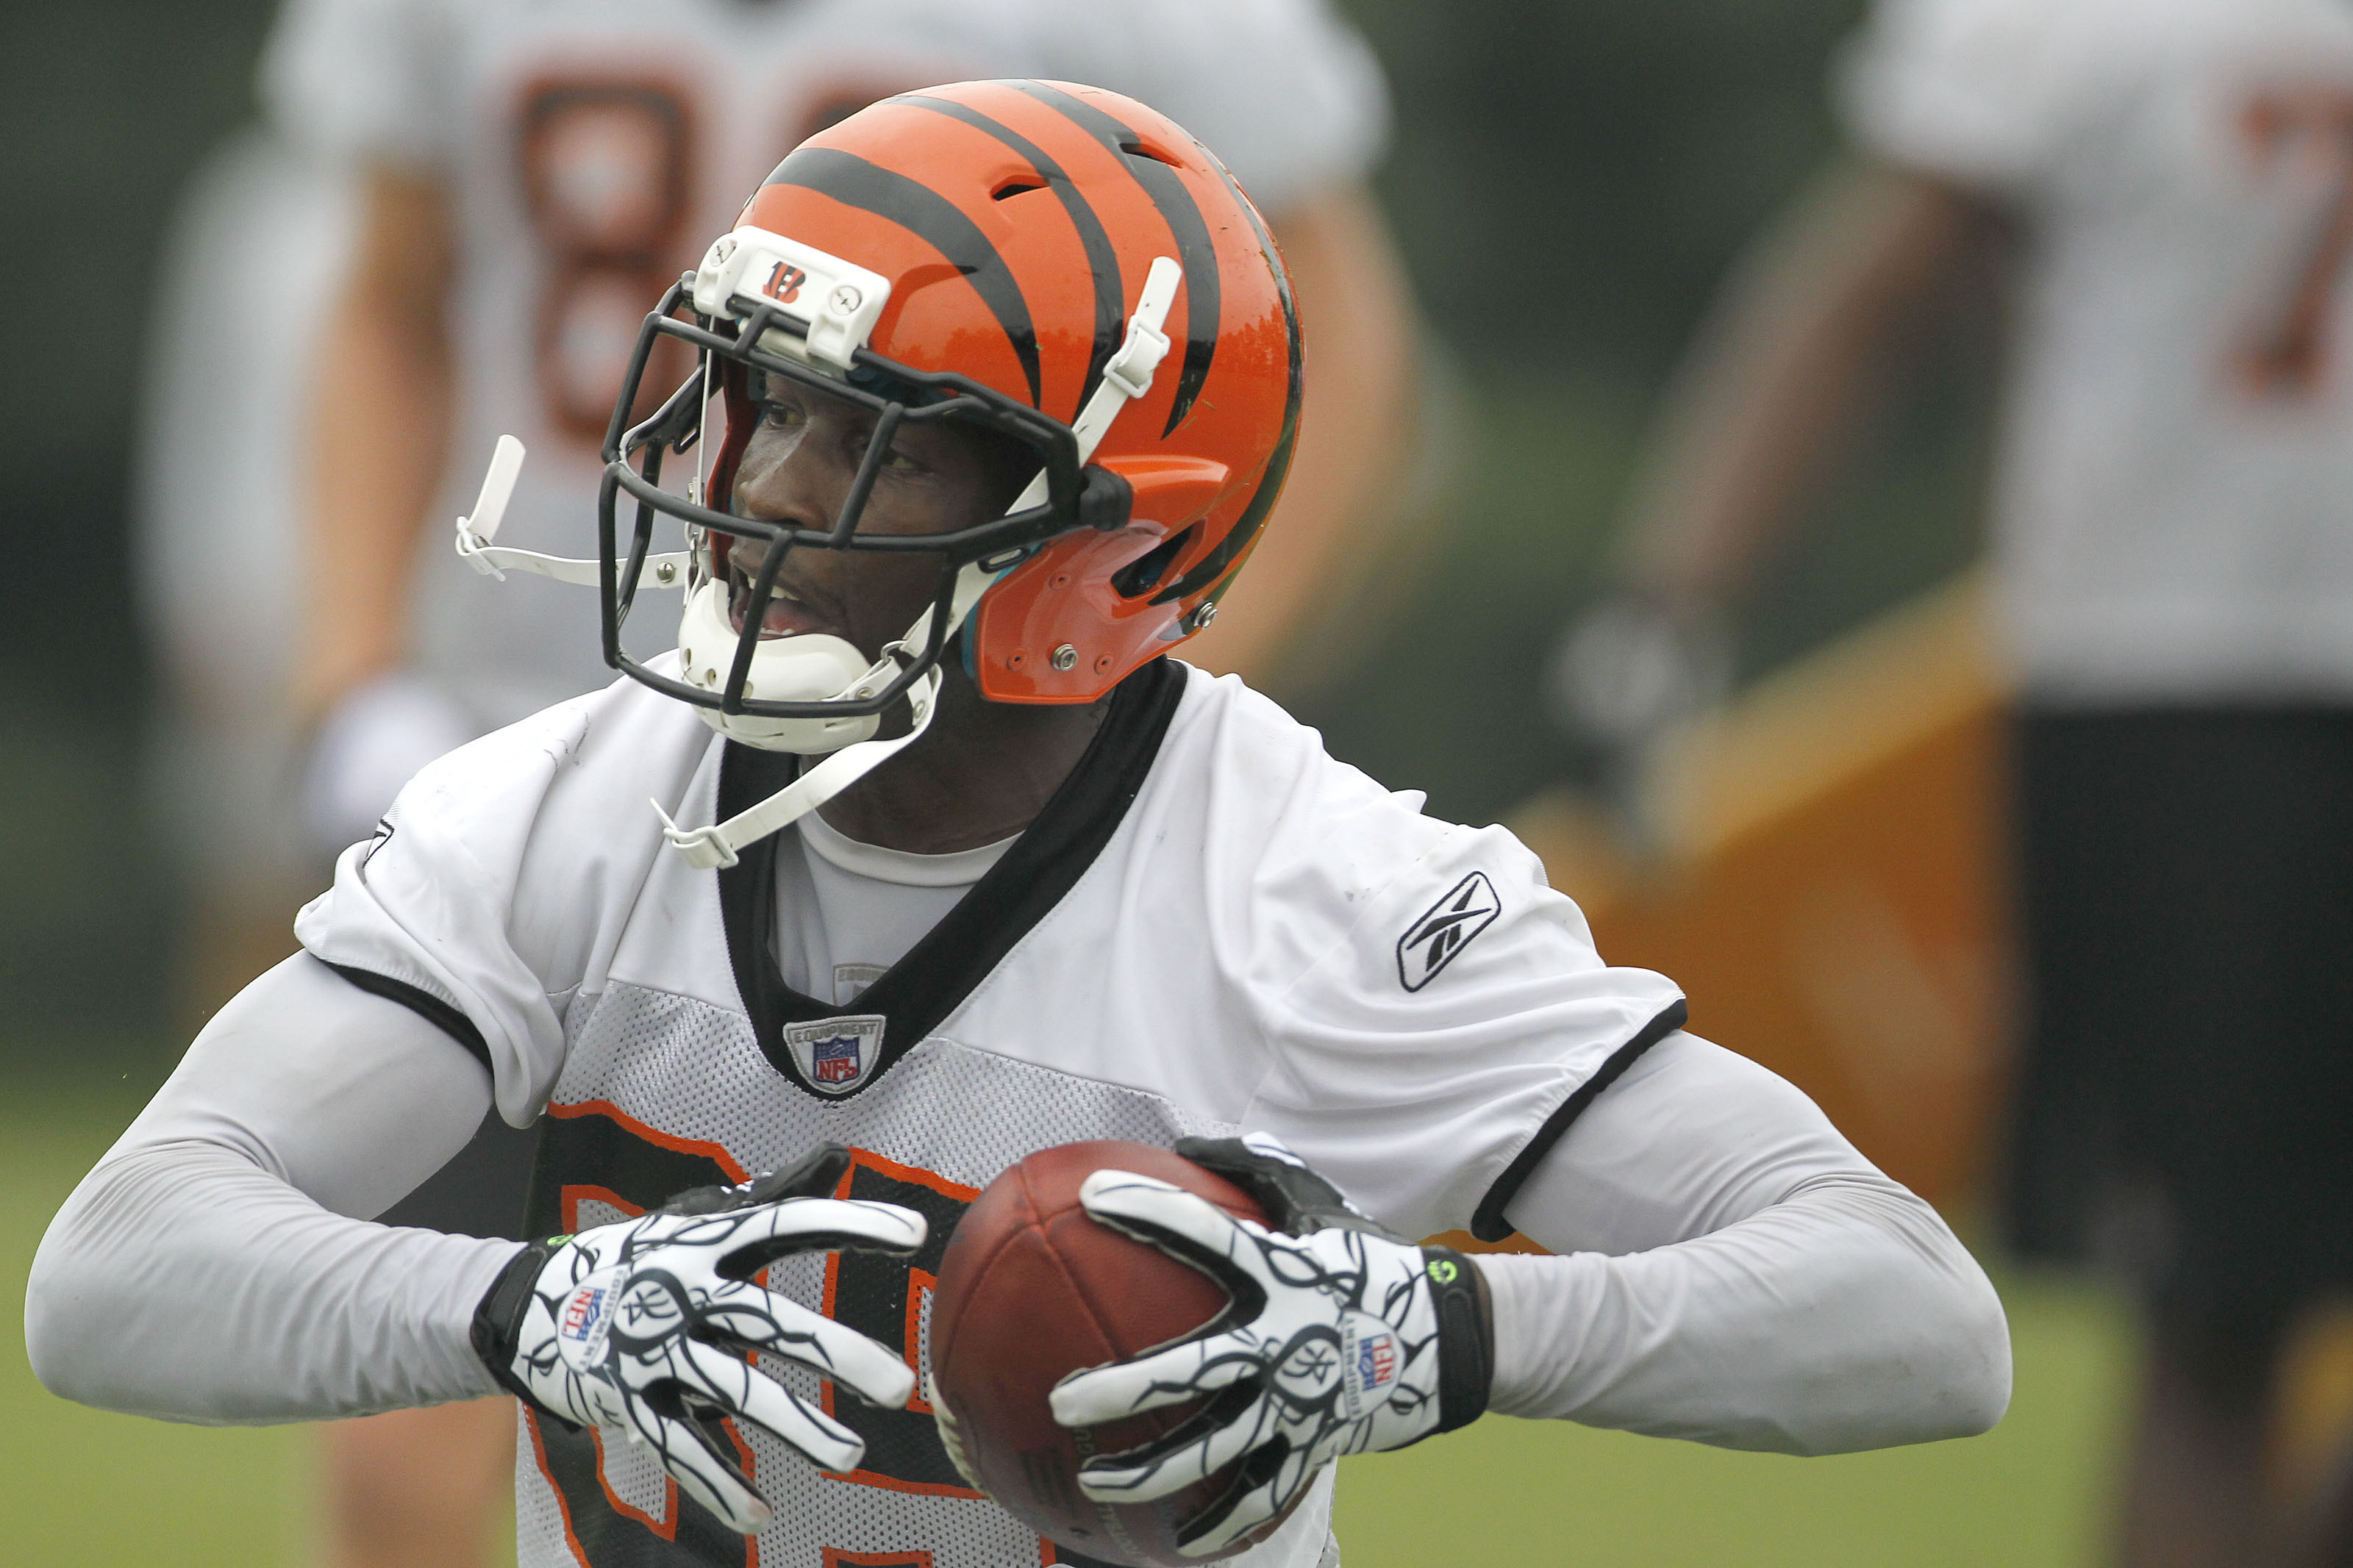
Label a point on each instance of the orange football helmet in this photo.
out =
(988, 252)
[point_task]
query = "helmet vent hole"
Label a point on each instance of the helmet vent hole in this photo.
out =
(1019, 185)
(1143, 574)
(1140, 148)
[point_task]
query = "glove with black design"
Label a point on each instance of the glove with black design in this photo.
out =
(645, 1327)
(1342, 1338)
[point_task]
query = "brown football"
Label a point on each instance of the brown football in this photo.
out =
(1032, 1289)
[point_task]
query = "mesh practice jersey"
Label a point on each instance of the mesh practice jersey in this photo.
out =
(1212, 926)
(593, 149)
(2176, 478)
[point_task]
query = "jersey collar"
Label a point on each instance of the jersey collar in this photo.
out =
(933, 980)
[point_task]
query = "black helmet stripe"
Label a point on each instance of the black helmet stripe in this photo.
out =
(1185, 226)
(923, 212)
(1102, 260)
(1278, 462)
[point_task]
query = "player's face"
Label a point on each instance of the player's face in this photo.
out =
(798, 468)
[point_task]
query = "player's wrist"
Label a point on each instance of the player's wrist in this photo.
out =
(496, 1333)
(1466, 1336)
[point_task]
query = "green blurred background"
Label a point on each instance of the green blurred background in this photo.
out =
(1568, 181)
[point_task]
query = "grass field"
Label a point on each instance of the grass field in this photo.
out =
(91, 1491)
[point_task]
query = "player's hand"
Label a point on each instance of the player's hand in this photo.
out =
(365, 747)
(646, 1327)
(1623, 676)
(1343, 1339)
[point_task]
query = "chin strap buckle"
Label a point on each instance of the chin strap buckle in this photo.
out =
(1129, 373)
(1130, 369)
(704, 848)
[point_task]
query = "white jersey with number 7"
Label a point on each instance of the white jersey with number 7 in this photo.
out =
(2175, 515)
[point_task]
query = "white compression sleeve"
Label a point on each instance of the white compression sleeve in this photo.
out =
(1735, 1272)
(217, 1267)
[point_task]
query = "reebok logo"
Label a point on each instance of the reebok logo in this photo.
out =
(1445, 929)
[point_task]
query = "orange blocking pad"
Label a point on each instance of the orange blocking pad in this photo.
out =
(1827, 886)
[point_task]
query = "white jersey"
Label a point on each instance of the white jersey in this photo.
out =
(1212, 927)
(593, 148)
(2175, 516)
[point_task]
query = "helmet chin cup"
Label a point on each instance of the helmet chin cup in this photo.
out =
(812, 666)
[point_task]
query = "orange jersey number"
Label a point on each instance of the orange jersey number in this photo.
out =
(2302, 138)
(608, 168)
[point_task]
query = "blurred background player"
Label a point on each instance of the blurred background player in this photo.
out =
(262, 236)
(2165, 188)
(561, 163)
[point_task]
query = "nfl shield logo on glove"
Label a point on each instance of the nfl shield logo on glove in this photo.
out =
(1368, 1362)
(583, 1312)
(584, 1321)
(836, 1055)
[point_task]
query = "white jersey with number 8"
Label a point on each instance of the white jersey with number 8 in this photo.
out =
(593, 149)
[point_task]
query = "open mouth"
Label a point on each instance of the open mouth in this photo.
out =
(786, 614)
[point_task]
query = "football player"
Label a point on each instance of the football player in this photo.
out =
(257, 244)
(2164, 189)
(916, 852)
(561, 160)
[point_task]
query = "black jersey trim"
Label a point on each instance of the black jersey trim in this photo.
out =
(1488, 1223)
(424, 1004)
(935, 976)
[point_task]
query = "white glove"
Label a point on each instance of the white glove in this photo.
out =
(1342, 1338)
(645, 1327)
(1629, 669)
(369, 744)
(1622, 678)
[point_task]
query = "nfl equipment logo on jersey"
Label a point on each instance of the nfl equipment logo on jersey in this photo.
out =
(836, 1055)
(835, 1059)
